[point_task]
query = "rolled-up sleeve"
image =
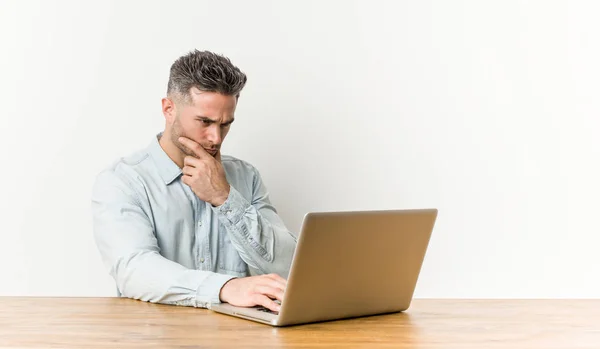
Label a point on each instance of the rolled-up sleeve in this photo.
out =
(256, 230)
(126, 241)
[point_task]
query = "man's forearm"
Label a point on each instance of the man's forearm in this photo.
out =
(258, 234)
(150, 277)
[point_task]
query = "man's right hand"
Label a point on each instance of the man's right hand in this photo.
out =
(254, 290)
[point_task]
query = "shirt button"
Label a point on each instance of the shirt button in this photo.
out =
(199, 224)
(202, 260)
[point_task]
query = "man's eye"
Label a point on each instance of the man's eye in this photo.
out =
(225, 125)
(206, 122)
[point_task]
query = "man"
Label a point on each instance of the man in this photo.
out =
(180, 223)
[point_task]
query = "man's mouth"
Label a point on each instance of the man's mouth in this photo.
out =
(212, 152)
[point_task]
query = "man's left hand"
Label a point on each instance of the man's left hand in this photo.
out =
(204, 174)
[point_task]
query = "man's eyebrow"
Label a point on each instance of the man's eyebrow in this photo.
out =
(204, 118)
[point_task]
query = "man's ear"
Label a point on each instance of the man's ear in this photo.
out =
(169, 109)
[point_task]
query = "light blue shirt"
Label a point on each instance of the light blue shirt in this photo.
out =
(162, 244)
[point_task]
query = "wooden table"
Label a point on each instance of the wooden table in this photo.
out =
(123, 323)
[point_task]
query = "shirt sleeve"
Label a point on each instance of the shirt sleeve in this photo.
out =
(256, 230)
(126, 241)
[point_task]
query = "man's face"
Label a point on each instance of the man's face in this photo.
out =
(205, 119)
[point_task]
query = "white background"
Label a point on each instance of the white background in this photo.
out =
(486, 110)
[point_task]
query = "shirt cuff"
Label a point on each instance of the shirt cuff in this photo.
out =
(234, 207)
(209, 290)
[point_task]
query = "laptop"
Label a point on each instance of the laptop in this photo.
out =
(349, 264)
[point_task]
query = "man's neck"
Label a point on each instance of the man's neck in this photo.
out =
(171, 150)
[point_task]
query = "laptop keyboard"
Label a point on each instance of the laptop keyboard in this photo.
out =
(265, 310)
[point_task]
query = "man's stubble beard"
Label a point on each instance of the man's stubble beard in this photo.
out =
(176, 132)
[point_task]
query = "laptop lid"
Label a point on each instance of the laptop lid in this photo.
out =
(349, 264)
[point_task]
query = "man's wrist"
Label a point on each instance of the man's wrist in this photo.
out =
(221, 291)
(222, 198)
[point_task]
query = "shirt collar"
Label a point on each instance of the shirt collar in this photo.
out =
(167, 169)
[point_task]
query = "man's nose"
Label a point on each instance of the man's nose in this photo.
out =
(214, 135)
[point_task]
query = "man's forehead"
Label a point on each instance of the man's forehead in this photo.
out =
(209, 105)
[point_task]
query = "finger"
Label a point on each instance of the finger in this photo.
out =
(271, 292)
(194, 147)
(191, 161)
(186, 179)
(276, 277)
(188, 170)
(281, 281)
(271, 284)
(267, 302)
(275, 282)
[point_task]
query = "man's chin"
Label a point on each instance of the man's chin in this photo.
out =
(189, 152)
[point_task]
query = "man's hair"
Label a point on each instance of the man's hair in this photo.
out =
(206, 71)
